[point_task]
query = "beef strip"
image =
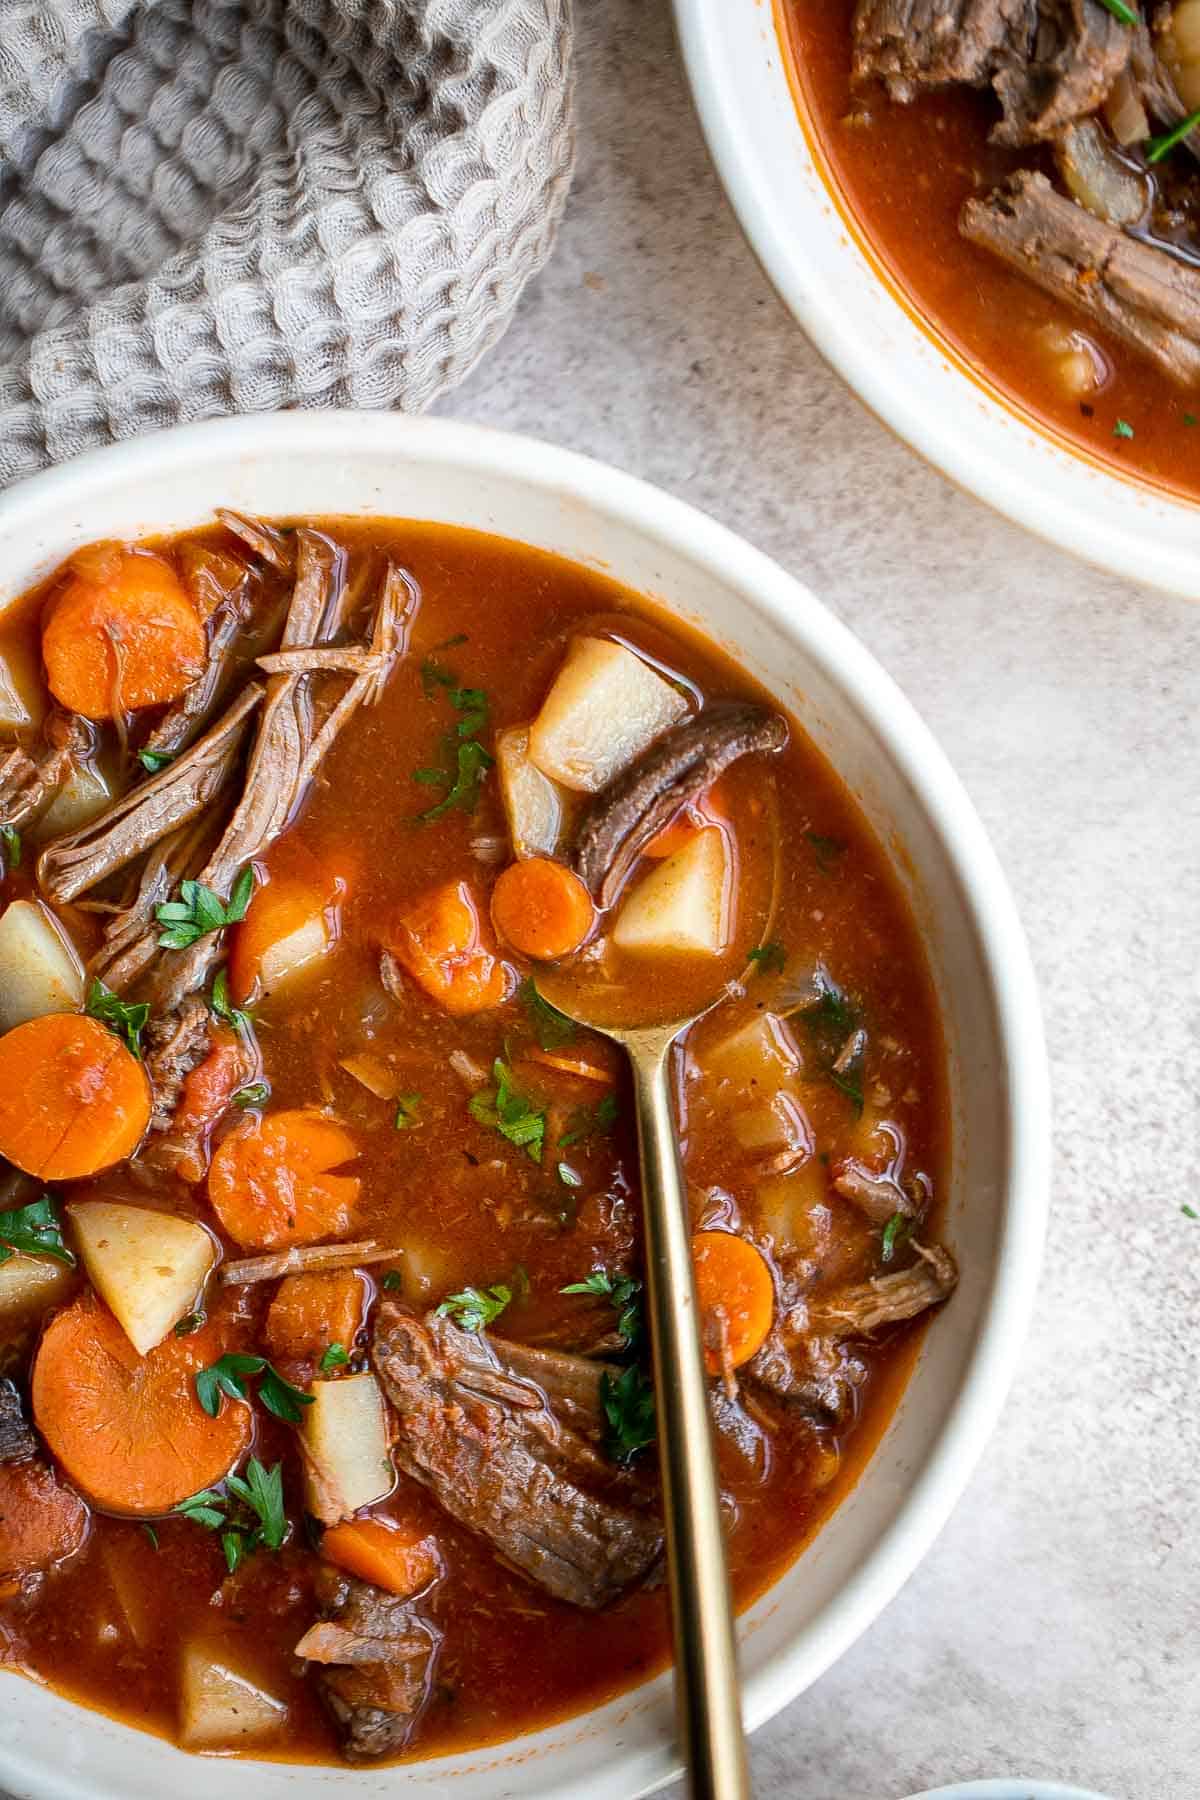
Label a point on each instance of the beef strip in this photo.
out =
(1049, 61)
(182, 1149)
(878, 1193)
(176, 1042)
(17, 1440)
(372, 1656)
(129, 940)
(182, 791)
(273, 546)
(30, 778)
(675, 770)
(864, 1307)
(817, 1376)
(1144, 296)
(498, 1460)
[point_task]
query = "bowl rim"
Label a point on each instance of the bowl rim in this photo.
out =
(690, 535)
(996, 449)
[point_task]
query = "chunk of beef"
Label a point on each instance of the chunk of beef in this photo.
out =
(487, 1445)
(1144, 296)
(1049, 61)
(206, 1095)
(31, 777)
(17, 1441)
(373, 1658)
(861, 1309)
(130, 936)
(675, 770)
(268, 542)
(152, 811)
(176, 1043)
(816, 1375)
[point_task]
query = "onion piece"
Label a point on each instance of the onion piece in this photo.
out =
(1097, 176)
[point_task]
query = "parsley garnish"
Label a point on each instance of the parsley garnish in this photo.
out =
(465, 762)
(464, 780)
(336, 1357)
(628, 1401)
(190, 1322)
(897, 1231)
(1122, 429)
(408, 1108)
(154, 761)
(222, 1007)
(226, 1376)
(124, 1020)
(625, 1294)
(475, 1307)
(511, 1114)
(254, 1505)
(1158, 147)
(590, 1121)
(851, 1085)
(393, 1281)
(255, 1093)
(1189, 1212)
(151, 1534)
(1119, 10)
(826, 850)
(199, 911)
(1189, 418)
(35, 1231)
(552, 1028)
(771, 958)
(10, 837)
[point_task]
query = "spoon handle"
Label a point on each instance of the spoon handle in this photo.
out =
(707, 1688)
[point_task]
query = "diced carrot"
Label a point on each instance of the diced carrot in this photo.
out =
(206, 1097)
(73, 1100)
(383, 1555)
(270, 1183)
(571, 1065)
(439, 941)
(736, 1297)
(129, 1429)
(311, 1312)
(283, 907)
(542, 909)
(41, 1522)
(121, 635)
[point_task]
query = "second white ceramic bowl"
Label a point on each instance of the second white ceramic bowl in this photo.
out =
(814, 256)
(325, 463)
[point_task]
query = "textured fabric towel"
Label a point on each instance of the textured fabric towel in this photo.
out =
(213, 206)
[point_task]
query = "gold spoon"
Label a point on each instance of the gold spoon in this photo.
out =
(707, 1684)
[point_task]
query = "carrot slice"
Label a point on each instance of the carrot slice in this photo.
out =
(41, 1522)
(383, 1555)
(128, 1429)
(121, 635)
(542, 908)
(281, 909)
(736, 1297)
(311, 1312)
(439, 941)
(270, 1183)
(72, 1098)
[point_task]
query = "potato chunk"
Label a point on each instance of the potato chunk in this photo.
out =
(345, 1442)
(22, 702)
(219, 1707)
(605, 707)
(39, 970)
(682, 907)
(533, 804)
(147, 1267)
(82, 798)
(29, 1284)
(755, 1058)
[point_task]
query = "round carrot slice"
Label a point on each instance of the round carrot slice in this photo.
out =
(73, 1100)
(542, 908)
(736, 1296)
(121, 635)
(270, 1184)
(128, 1429)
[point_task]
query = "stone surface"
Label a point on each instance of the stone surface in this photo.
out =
(1055, 1630)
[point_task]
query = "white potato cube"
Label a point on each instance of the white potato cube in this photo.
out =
(755, 1058)
(533, 804)
(29, 1284)
(83, 797)
(773, 1125)
(682, 907)
(21, 695)
(605, 707)
(288, 955)
(344, 1437)
(219, 1707)
(147, 1267)
(39, 970)
(794, 1210)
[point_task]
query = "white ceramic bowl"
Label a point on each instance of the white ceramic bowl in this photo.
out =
(812, 252)
(376, 464)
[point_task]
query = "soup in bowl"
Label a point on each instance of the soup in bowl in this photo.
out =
(328, 1435)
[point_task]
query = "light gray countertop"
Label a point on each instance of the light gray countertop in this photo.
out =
(1055, 1629)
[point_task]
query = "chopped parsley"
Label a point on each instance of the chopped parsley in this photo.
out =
(199, 911)
(336, 1357)
(1122, 429)
(35, 1231)
(896, 1232)
(465, 762)
(392, 1282)
(552, 1028)
(587, 1122)
(1189, 1212)
(1119, 10)
(1158, 147)
(249, 1515)
(223, 1008)
(227, 1376)
(408, 1108)
(1189, 418)
(770, 959)
(155, 761)
(849, 1082)
(255, 1093)
(475, 1307)
(190, 1322)
(151, 1534)
(826, 850)
(10, 838)
(625, 1294)
(628, 1400)
(514, 1116)
(123, 1019)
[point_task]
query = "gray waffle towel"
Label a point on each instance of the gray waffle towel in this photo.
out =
(214, 206)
